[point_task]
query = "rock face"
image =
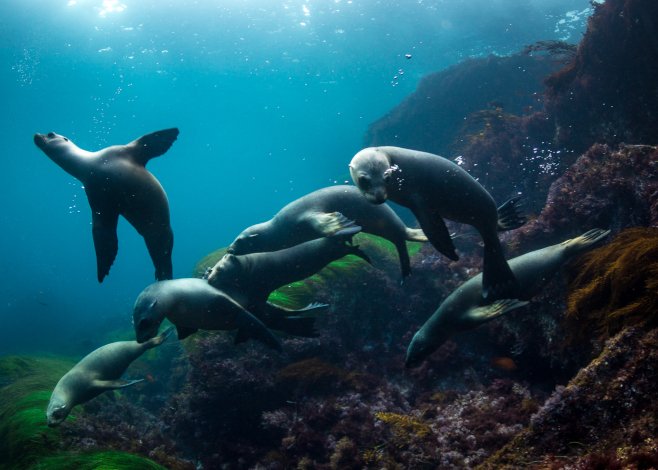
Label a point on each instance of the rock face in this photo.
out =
(430, 118)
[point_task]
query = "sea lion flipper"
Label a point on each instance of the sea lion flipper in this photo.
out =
(333, 224)
(183, 332)
(106, 243)
(497, 277)
(434, 228)
(252, 327)
(152, 145)
(113, 384)
(280, 318)
(160, 245)
(510, 215)
(496, 309)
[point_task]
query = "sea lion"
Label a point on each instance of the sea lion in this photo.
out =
(465, 309)
(435, 188)
(99, 371)
(250, 279)
(117, 183)
(192, 305)
(324, 213)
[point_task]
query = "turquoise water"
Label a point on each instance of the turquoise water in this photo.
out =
(272, 100)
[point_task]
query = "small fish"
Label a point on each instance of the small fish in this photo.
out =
(43, 304)
(150, 378)
(408, 56)
(503, 363)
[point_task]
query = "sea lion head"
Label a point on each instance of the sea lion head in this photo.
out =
(228, 270)
(58, 410)
(52, 143)
(422, 347)
(148, 313)
(372, 172)
(249, 241)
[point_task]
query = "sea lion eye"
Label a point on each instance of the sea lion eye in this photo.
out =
(51, 134)
(58, 413)
(364, 182)
(387, 178)
(65, 139)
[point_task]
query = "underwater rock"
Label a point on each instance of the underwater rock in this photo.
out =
(603, 188)
(608, 406)
(429, 118)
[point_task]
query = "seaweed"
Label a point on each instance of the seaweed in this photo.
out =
(404, 427)
(24, 434)
(96, 460)
(615, 286)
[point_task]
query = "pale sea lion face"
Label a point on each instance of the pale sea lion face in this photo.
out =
(52, 143)
(146, 316)
(371, 173)
(57, 412)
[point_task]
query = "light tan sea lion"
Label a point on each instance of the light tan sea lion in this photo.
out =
(117, 183)
(98, 372)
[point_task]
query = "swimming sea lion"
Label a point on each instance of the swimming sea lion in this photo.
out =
(324, 213)
(465, 309)
(250, 279)
(435, 188)
(98, 372)
(192, 305)
(117, 183)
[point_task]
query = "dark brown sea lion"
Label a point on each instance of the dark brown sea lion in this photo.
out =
(324, 213)
(435, 188)
(117, 183)
(192, 305)
(465, 309)
(250, 279)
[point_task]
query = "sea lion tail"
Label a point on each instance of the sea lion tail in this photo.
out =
(415, 235)
(586, 241)
(298, 326)
(510, 215)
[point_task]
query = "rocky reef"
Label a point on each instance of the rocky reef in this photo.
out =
(564, 383)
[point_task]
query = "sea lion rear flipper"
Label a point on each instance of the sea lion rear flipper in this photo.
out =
(279, 318)
(510, 215)
(113, 384)
(160, 245)
(183, 332)
(415, 235)
(497, 278)
(252, 327)
(358, 252)
(496, 309)
(584, 242)
(434, 228)
(152, 145)
(106, 243)
(405, 262)
(333, 224)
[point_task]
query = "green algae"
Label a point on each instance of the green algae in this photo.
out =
(24, 434)
(15, 367)
(96, 460)
(207, 262)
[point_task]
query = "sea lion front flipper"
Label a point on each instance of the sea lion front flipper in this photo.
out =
(434, 228)
(333, 224)
(152, 145)
(496, 309)
(106, 243)
(183, 332)
(160, 245)
(113, 384)
(510, 215)
(252, 327)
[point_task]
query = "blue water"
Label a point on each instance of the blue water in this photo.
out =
(272, 100)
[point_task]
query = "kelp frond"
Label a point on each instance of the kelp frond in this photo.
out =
(404, 427)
